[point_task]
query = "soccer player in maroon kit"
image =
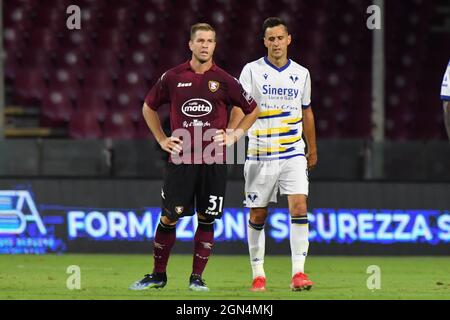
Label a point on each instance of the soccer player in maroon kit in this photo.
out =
(199, 93)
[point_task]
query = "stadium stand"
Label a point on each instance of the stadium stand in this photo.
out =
(124, 46)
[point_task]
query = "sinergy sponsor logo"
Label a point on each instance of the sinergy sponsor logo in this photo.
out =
(274, 91)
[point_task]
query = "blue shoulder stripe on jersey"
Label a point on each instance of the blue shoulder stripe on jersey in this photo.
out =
(281, 115)
(277, 158)
(446, 98)
(275, 67)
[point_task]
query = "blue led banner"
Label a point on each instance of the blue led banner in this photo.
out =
(28, 227)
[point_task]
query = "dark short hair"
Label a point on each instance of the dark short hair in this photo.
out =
(273, 22)
(201, 26)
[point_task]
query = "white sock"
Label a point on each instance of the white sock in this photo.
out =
(299, 243)
(256, 239)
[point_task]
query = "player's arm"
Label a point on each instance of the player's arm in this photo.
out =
(309, 127)
(446, 105)
(309, 130)
(236, 116)
(169, 144)
(445, 96)
(246, 122)
(232, 135)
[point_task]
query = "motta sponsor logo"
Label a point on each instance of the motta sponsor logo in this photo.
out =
(196, 108)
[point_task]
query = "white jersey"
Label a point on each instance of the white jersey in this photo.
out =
(281, 94)
(445, 90)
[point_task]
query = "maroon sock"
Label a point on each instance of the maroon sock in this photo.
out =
(203, 242)
(165, 237)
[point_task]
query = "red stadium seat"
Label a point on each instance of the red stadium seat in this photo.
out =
(148, 18)
(16, 17)
(105, 59)
(327, 127)
(91, 4)
(36, 59)
(119, 125)
(56, 108)
(145, 40)
(29, 86)
(65, 79)
(84, 125)
(13, 41)
(50, 4)
(134, 79)
(182, 21)
(64, 76)
(70, 58)
(90, 100)
(100, 81)
(262, 6)
(172, 59)
(129, 102)
(294, 6)
(11, 65)
(218, 17)
(44, 39)
(113, 40)
(143, 131)
(119, 16)
(80, 40)
(71, 90)
(140, 58)
(51, 17)
(89, 17)
(159, 6)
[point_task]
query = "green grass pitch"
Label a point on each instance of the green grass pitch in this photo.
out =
(229, 277)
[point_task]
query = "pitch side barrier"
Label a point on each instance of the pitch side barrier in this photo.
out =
(120, 216)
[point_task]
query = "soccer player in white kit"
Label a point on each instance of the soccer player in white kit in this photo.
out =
(276, 158)
(445, 96)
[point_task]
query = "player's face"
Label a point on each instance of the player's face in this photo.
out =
(203, 45)
(277, 40)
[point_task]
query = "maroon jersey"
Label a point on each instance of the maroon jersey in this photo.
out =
(198, 107)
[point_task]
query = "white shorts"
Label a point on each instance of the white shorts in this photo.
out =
(264, 178)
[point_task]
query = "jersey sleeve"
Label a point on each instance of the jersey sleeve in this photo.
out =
(445, 89)
(246, 78)
(306, 97)
(240, 97)
(159, 94)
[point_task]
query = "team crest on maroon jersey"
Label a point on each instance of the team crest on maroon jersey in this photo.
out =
(179, 209)
(213, 85)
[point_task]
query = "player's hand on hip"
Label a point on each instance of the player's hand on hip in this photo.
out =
(223, 137)
(311, 159)
(171, 144)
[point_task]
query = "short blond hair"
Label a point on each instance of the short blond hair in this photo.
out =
(201, 27)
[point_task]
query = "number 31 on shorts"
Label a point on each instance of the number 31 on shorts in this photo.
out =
(213, 201)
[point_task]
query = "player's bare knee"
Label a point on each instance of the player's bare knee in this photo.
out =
(167, 221)
(205, 218)
(201, 216)
(258, 215)
(298, 209)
